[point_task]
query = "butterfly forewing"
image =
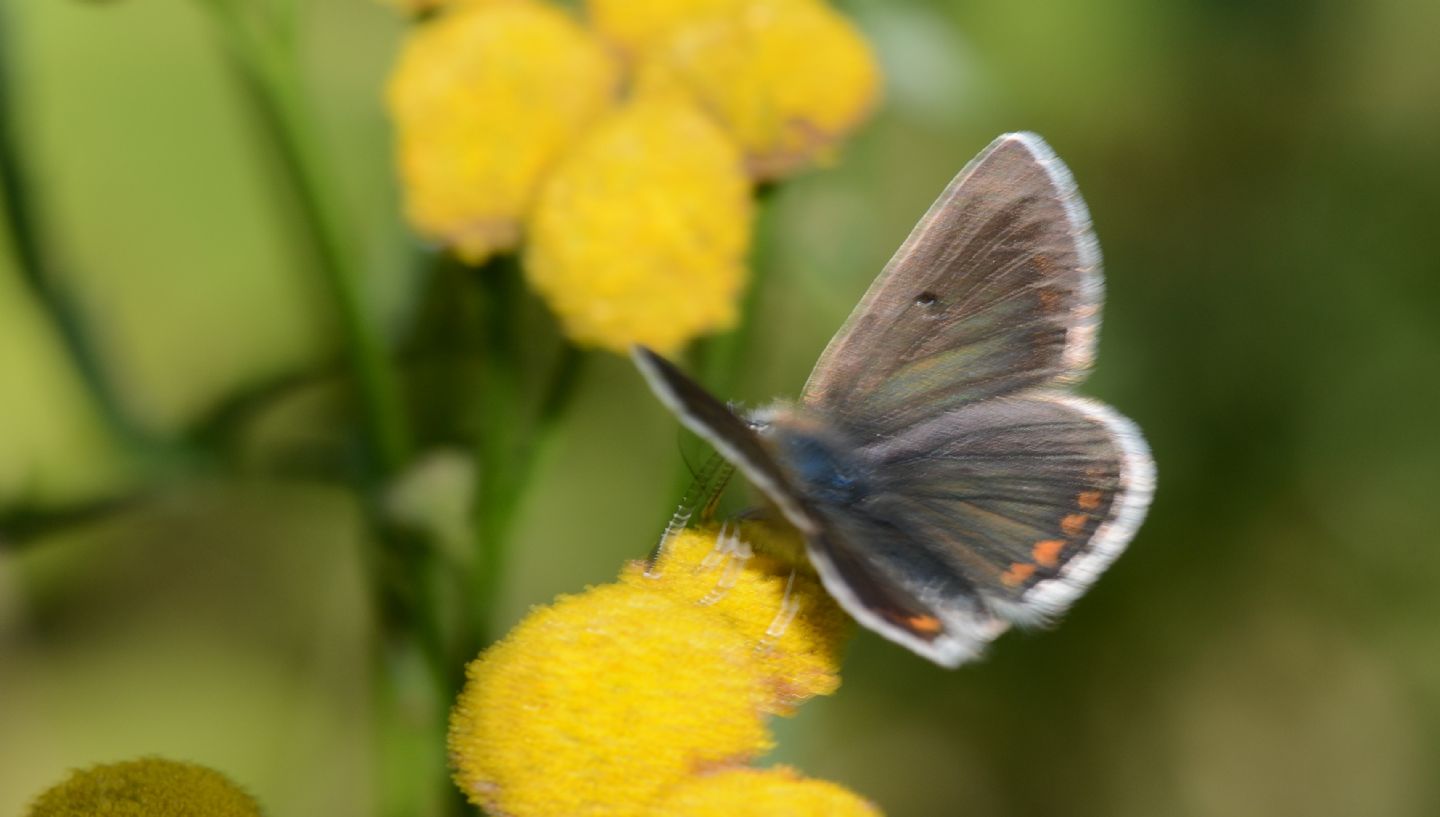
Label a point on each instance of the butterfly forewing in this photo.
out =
(700, 412)
(997, 289)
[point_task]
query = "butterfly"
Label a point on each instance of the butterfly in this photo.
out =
(946, 481)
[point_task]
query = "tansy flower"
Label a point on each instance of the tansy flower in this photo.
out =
(799, 654)
(618, 700)
(640, 234)
(788, 78)
(634, 27)
(760, 793)
(638, 212)
(149, 787)
(484, 98)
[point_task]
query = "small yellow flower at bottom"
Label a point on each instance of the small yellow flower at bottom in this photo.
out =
(484, 98)
(600, 703)
(640, 234)
(148, 787)
(593, 705)
(761, 793)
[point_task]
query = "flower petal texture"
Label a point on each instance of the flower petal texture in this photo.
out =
(636, 26)
(148, 787)
(799, 632)
(640, 234)
(602, 703)
(484, 99)
(593, 705)
(788, 78)
(761, 793)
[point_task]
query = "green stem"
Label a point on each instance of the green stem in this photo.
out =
(499, 491)
(721, 359)
(510, 446)
(414, 673)
(22, 215)
(268, 66)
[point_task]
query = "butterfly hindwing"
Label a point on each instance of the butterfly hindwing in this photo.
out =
(946, 624)
(1029, 497)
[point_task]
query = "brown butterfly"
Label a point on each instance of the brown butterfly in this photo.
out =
(947, 482)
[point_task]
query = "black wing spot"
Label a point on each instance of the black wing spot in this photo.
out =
(927, 299)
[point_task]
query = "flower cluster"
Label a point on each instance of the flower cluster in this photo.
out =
(650, 696)
(622, 155)
(148, 787)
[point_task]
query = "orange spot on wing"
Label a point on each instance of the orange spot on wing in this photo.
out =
(1047, 552)
(1089, 500)
(1073, 523)
(1017, 574)
(924, 624)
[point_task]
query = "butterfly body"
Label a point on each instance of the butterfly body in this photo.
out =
(946, 482)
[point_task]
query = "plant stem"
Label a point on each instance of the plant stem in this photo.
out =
(414, 672)
(720, 359)
(268, 67)
(499, 490)
(510, 446)
(22, 214)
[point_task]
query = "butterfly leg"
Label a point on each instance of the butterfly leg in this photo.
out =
(731, 554)
(789, 608)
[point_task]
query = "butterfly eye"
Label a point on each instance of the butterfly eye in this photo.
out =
(927, 299)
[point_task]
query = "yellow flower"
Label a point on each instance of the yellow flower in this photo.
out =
(484, 99)
(761, 793)
(634, 26)
(788, 78)
(601, 703)
(640, 234)
(591, 706)
(802, 660)
(148, 787)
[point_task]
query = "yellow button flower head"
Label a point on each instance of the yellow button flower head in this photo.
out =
(484, 98)
(603, 702)
(761, 793)
(798, 630)
(149, 787)
(591, 706)
(640, 234)
(634, 26)
(789, 78)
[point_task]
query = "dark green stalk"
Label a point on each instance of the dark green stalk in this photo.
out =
(721, 359)
(499, 490)
(267, 67)
(23, 217)
(414, 673)
(511, 444)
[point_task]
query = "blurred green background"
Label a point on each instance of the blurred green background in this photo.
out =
(1265, 181)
